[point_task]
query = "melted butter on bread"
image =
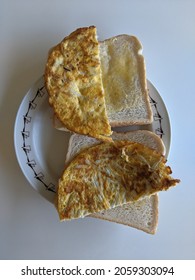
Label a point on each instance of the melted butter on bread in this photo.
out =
(108, 175)
(121, 55)
(73, 81)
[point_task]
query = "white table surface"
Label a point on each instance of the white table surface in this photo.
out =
(29, 225)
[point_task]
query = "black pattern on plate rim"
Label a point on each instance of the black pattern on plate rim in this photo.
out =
(32, 105)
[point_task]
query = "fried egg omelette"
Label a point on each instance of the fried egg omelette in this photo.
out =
(108, 175)
(73, 81)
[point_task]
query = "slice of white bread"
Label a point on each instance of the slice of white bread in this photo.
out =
(142, 214)
(124, 82)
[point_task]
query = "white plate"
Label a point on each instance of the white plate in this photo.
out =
(41, 149)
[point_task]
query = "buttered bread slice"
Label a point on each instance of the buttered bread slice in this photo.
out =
(124, 81)
(73, 81)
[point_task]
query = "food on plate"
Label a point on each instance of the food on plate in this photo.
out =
(111, 174)
(73, 81)
(141, 214)
(124, 81)
(93, 86)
